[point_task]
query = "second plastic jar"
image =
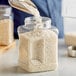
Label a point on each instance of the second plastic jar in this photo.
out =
(6, 25)
(38, 48)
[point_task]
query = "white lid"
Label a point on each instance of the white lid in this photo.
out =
(5, 9)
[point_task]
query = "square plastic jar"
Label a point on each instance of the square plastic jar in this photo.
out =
(6, 25)
(38, 47)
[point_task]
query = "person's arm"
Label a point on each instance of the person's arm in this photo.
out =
(52, 9)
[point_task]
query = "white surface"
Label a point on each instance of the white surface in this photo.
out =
(69, 8)
(9, 66)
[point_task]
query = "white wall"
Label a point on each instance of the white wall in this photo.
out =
(69, 15)
(69, 8)
(69, 24)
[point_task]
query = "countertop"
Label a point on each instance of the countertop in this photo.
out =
(9, 63)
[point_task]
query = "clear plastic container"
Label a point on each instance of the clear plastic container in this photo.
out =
(6, 25)
(38, 47)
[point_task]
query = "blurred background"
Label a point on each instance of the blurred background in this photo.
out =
(47, 8)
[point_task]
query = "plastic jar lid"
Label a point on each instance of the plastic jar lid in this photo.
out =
(5, 10)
